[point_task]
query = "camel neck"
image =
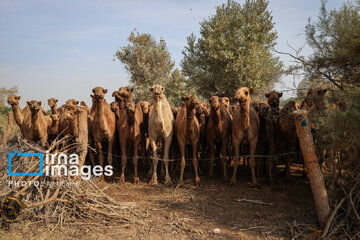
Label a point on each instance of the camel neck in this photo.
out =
(215, 115)
(245, 114)
(157, 111)
(54, 110)
(18, 115)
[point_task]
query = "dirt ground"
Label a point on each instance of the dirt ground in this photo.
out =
(211, 211)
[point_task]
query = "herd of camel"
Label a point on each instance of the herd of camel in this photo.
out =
(212, 127)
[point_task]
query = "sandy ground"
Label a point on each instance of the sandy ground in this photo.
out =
(282, 211)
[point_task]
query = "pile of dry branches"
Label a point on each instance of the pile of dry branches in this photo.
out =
(344, 194)
(56, 201)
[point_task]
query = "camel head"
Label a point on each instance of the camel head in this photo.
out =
(114, 106)
(263, 109)
(203, 109)
(52, 102)
(69, 113)
(288, 109)
(125, 92)
(214, 103)
(225, 101)
(119, 99)
(145, 106)
(157, 92)
(243, 95)
(71, 103)
(55, 117)
(98, 93)
(191, 101)
(13, 100)
(273, 98)
(314, 97)
(34, 106)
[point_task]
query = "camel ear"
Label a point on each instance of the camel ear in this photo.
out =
(18, 98)
(280, 94)
(267, 95)
(162, 88)
(39, 103)
(92, 96)
(28, 103)
(183, 98)
(151, 89)
(56, 100)
(209, 100)
(251, 90)
(93, 90)
(131, 89)
(105, 91)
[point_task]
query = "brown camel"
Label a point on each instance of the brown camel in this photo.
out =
(103, 125)
(125, 92)
(225, 103)
(187, 129)
(203, 114)
(64, 127)
(245, 127)
(218, 130)
(52, 102)
(39, 123)
(86, 107)
(161, 122)
(129, 125)
(20, 115)
(272, 131)
(53, 128)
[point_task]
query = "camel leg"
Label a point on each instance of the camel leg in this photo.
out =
(123, 162)
(252, 160)
(155, 162)
(100, 157)
(135, 161)
(166, 159)
(224, 157)
(110, 149)
(212, 157)
(269, 163)
(236, 160)
(182, 163)
(195, 163)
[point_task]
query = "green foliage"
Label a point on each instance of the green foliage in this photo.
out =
(147, 61)
(176, 88)
(234, 50)
(338, 126)
(335, 40)
(4, 93)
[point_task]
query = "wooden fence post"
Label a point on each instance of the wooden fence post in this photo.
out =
(312, 166)
(8, 130)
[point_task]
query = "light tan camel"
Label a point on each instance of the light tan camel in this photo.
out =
(161, 122)
(245, 128)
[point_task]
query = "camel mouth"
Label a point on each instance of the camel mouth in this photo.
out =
(157, 94)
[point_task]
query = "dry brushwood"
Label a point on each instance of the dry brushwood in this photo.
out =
(56, 201)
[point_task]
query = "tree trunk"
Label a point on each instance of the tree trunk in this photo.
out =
(82, 139)
(8, 130)
(312, 166)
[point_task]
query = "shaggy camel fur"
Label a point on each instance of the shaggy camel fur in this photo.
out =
(39, 123)
(161, 122)
(218, 130)
(245, 127)
(187, 129)
(129, 125)
(103, 125)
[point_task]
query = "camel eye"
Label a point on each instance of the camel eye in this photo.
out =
(246, 93)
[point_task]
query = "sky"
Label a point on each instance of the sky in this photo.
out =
(63, 49)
